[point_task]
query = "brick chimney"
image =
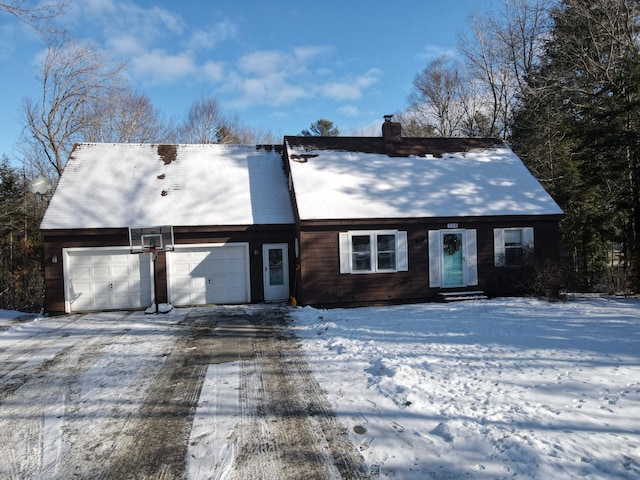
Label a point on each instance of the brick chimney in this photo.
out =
(391, 131)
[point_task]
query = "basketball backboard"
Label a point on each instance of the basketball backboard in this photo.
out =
(151, 239)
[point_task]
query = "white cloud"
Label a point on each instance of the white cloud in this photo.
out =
(125, 45)
(161, 67)
(210, 38)
(99, 7)
(349, 110)
(262, 62)
(276, 77)
(213, 71)
(308, 52)
(350, 88)
(126, 19)
(431, 52)
(160, 16)
(271, 89)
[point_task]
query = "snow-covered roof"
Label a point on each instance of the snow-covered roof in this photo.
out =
(122, 185)
(350, 178)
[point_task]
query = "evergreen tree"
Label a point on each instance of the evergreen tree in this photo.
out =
(21, 274)
(578, 127)
(321, 128)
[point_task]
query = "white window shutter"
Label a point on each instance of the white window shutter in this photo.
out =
(435, 250)
(498, 247)
(527, 237)
(345, 253)
(402, 254)
(471, 257)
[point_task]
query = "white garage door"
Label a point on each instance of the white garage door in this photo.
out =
(209, 274)
(106, 279)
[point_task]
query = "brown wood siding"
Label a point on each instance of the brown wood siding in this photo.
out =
(56, 240)
(320, 281)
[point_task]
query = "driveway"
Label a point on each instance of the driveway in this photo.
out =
(197, 393)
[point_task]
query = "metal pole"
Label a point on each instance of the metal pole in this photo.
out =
(155, 279)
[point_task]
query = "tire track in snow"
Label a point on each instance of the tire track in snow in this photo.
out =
(27, 404)
(287, 429)
(19, 359)
(154, 444)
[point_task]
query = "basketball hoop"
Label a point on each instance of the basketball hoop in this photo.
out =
(152, 240)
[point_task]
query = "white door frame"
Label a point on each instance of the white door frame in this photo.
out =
(274, 293)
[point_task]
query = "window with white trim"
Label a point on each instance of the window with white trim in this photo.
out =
(513, 246)
(373, 251)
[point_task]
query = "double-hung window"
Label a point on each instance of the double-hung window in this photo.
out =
(513, 246)
(377, 251)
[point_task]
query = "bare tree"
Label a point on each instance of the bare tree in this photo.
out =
(204, 123)
(413, 125)
(75, 77)
(438, 96)
(207, 123)
(40, 16)
(500, 54)
(125, 116)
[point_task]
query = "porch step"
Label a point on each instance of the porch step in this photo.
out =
(463, 295)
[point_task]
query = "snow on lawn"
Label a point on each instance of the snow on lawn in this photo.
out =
(484, 390)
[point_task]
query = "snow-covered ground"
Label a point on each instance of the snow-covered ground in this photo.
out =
(485, 390)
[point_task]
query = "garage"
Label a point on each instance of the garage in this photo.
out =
(209, 274)
(106, 278)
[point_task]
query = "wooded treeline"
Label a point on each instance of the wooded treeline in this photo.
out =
(21, 272)
(560, 81)
(557, 79)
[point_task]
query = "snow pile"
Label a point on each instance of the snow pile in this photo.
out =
(486, 390)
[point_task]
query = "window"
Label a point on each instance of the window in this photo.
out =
(513, 246)
(373, 251)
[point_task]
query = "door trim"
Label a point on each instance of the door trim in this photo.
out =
(285, 271)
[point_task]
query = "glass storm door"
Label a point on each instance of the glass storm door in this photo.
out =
(453, 274)
(276, 272)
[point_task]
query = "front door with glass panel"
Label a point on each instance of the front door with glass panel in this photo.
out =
(276, 272)
(453, 258)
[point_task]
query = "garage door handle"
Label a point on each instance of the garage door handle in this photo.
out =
(111, 285)
(209, 281)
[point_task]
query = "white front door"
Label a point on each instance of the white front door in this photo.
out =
(275, 259)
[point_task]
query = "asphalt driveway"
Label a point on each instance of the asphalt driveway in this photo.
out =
(220, 392)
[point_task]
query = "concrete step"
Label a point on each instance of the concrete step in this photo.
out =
(462, 295)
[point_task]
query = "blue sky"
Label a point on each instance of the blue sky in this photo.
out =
(279, 65)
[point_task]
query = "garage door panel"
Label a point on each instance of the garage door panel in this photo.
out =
(108, 279)
(200, 275)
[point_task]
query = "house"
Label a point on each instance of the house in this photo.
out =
(393, 219)
(229, 206)
(327, 220)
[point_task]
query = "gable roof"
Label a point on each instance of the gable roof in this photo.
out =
(122, 185)
(370, 178)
